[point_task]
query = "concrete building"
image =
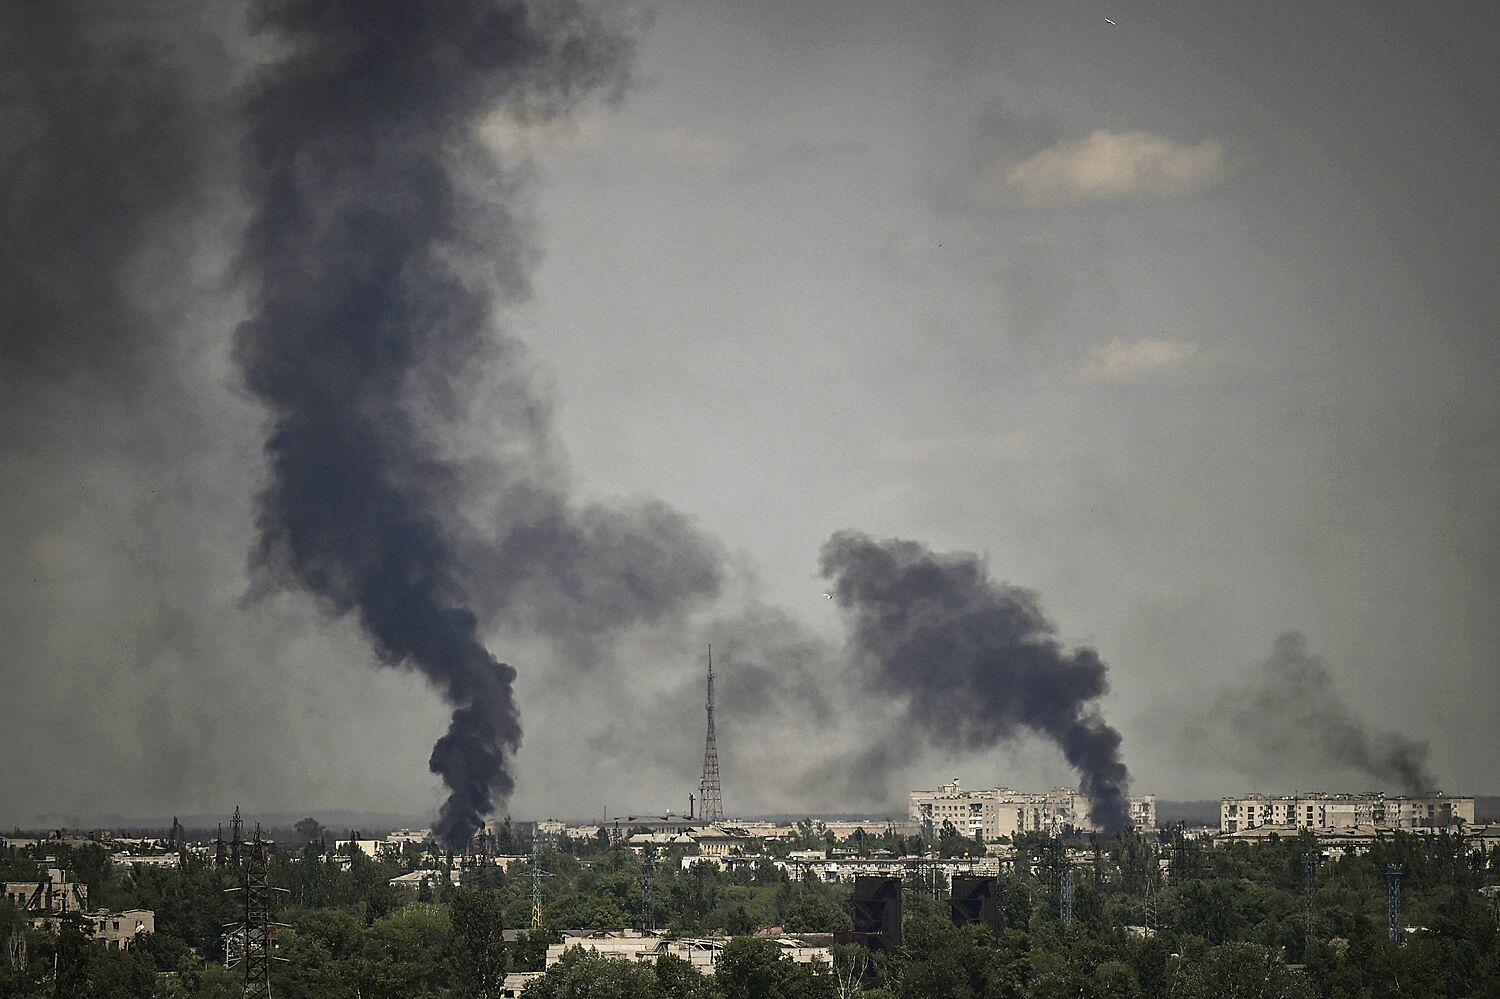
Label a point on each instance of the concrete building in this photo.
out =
(1002, 812)
(371, 848)
(1315, 810)
(146, 860)
(51, 895)
(701, 952)
(121, 930)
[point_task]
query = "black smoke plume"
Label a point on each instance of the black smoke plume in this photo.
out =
(101, 153)
(975, 661)
(1288, 712)
(380, 246)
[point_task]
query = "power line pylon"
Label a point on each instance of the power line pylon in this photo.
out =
(1065, 893)
(237, 837)
(648, 856)
(709, 798)
(1310, 896)
(1150, 886)
(1393, 904)
(536, 882)
(257, 932)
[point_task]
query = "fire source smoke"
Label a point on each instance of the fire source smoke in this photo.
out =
(1287, 714)
(374, 267)
(975, 661)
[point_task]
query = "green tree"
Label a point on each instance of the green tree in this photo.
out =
(582, 975)
(1239, 971)
(479, 957)
(752, 968)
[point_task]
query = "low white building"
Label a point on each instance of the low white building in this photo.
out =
(1001, 812)
(121, 930)
(146, 860)
(701, 952)
(371, 848)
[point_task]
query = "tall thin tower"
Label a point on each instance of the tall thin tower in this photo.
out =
(710, 802)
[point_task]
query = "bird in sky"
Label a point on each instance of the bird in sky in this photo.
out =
(1110, 21)
(828, 595)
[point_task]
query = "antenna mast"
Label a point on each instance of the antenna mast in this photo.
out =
(711, 805)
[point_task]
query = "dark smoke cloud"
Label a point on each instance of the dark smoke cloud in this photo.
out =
(975, 661)
(102, 154)
(382, 241)
(1287, 715)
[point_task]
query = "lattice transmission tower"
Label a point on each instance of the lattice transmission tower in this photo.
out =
(709, 798)
(1393, 904)
(1309, 897)
(536, 882)
(256, 934)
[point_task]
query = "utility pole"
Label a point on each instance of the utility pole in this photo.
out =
(1065, 893)
(709, 796)
(1310, 896)
(648, 855)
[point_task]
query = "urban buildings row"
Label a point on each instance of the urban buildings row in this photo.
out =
(48, 901)
(1315, 810)
(1001, 813)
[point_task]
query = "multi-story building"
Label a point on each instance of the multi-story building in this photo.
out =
(1002, 812)
(50, 895)
(121, 930)
(1315, 810)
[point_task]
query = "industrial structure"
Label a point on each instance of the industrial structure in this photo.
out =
(877, 914)
(1315, 810)
(251, 943)
(710, 802)
(1001, 812)
(975, 899)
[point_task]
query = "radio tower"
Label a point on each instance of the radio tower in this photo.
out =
(711, 805)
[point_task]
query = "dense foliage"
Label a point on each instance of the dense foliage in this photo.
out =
(1220, 922)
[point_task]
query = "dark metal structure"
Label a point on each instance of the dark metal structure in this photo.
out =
(1309, 895)
(710, 803)
(256, 934)
(974, 898)
(877, 914)
(1393, 903)
(1065, 893)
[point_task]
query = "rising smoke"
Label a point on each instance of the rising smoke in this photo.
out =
(383, 240)
(975, 661)
(1287, 714)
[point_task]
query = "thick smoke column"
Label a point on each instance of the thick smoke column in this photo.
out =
(1289, 712)
(375, 257)
(976, 662)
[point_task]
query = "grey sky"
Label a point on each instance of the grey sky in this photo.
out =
(1186, 323)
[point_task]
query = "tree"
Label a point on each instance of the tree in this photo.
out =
(479, 957)
(1239, 971)
(753, 968)
(309, 829)
(580, 974)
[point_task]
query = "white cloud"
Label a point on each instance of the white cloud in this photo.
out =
(1110, 165)
(679, 145)
(515, 137)
(1118, 361)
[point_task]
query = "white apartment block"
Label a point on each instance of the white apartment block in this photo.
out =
(1315, 810)
(1002, 812)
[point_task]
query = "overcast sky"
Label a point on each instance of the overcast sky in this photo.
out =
(1185, 322)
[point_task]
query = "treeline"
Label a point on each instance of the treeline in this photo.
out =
(1150, 916)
